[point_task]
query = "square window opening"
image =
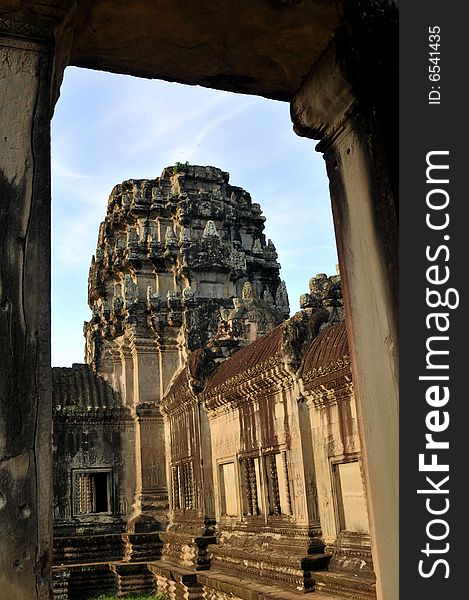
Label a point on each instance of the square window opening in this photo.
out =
(351, 500)
(92, 492)
(228, 483)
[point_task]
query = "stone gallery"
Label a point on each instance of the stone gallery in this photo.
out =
(335, 63)
(210, 443)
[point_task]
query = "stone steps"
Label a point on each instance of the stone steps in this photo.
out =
(293, 571)
(76, 582)
(142, 547)
(133, 578)
(86, 581)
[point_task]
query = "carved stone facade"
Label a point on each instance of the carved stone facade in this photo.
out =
(275, 454)
(93, 484)
(176, 256)
(181, 263)
(320, 57)
(208, 435)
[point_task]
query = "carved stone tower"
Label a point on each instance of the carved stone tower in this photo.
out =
(179, 259)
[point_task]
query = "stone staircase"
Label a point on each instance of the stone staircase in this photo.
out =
(79, 582)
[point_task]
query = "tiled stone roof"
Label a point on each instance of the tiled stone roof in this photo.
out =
(246, 358)
(79, 389)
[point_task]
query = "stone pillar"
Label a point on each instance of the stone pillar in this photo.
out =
(170, 361)
(127, 382)
(146, 369)
(118, 369)
(353, 121)
(302, 449)
(150, 507)
(25, 374)
(154, 491)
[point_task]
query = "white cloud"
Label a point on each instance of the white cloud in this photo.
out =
(59, 170)
(189, 150)
(158, 127)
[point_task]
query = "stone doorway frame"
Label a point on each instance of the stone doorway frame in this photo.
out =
(355, 123)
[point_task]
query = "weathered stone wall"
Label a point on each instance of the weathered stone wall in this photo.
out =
(349, 103)
(91, 430)
(327, 389)
(265, 504)
(25, 390)
(271, 480)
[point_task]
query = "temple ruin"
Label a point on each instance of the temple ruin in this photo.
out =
(335, 63)
(208, 436)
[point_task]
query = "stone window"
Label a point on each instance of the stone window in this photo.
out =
(91, 492)
(182, 486)
(176, 486)
(227, 477)
(351, 501)
(251, 486)
(278, 490)
(188, 485)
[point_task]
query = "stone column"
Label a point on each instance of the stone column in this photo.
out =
(127, 382)
(170, 361)
(146, 369)
(118, 368)
(25, 374)
(302, 449)
(151, 500)
(353, 120)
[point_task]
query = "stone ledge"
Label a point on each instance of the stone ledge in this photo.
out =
(240, 588)
(244, 589)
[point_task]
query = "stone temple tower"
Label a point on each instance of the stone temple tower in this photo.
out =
(180, 260)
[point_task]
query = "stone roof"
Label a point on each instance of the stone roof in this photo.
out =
(78, 389)
(328, 346)
(180, 383)
(254, 355)
(327, 353)
(270, 350)
(310, 344)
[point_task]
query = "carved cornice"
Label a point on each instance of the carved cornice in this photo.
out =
(28, 31)
(354, 79)
(180, 403)
(172, 402)
(230, 390)
(326, 372)
(148, 412)
(140, 345)
(297, 534)
(71, 418)
(338, 389)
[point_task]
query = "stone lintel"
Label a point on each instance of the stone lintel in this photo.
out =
(227, 45)
(20, 30)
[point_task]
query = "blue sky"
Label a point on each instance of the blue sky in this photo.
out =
(108, 128)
